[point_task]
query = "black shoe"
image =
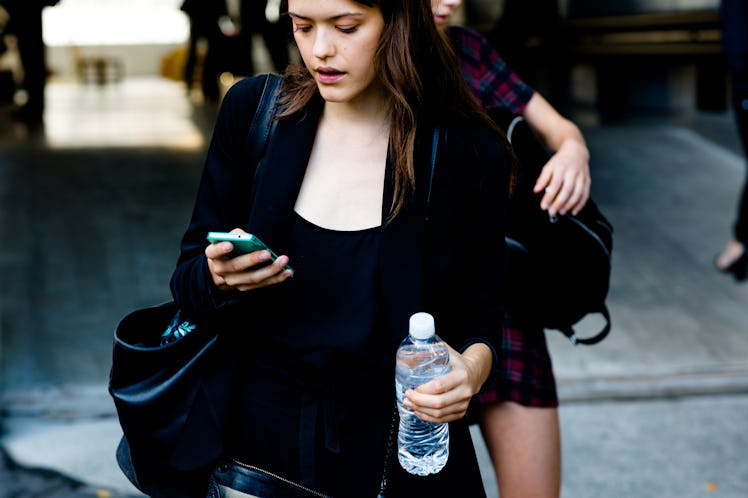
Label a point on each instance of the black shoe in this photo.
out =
(738, 268)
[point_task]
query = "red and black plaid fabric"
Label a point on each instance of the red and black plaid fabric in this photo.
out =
(493, 84)
(525, 370)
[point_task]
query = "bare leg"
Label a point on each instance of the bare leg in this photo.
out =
(525, 446)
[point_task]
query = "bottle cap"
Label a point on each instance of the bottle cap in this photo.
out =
(422, 326)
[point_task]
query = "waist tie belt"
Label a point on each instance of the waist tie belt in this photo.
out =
(316, 408)
(321, 408)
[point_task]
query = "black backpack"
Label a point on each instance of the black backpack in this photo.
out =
(558, 269)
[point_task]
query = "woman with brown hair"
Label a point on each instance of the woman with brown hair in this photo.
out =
(347, 196)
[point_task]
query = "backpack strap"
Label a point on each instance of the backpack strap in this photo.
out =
(263, 123)
(434, 147)
(569, 331)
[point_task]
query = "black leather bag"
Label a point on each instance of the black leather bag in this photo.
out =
(173, 401)
(558, 269)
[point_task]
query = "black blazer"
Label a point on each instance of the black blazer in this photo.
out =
(444, 255)
(451, 265)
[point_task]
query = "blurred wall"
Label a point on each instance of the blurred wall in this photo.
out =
(585, 8)
(136, 33)
(525, 33)
(481, 15)
(136, 60)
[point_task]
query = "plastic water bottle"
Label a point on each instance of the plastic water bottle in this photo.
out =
(422, 447)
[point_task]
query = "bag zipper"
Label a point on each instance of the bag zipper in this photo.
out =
(280, 478)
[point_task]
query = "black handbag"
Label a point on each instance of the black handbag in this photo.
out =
(558, 268)
(172, 378)
(172, 399)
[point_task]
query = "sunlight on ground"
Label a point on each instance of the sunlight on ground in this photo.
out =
(143, 112)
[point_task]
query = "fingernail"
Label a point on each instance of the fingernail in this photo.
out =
(407, 403)
(264, 255)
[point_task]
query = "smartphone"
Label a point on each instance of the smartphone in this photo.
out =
(244, 243)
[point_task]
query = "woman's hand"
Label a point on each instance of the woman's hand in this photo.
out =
(241, 272)
(446, 398)
(565, 178)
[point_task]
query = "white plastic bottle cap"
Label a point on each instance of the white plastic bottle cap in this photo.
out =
(422, 326)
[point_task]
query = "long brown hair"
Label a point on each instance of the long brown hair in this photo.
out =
(416, 65)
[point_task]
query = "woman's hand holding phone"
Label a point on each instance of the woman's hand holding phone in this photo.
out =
(233, 269)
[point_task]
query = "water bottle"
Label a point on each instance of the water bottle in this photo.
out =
(422, 447)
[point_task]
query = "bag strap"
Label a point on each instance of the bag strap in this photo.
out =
(263, 123)
(434, 148)
(588, 341)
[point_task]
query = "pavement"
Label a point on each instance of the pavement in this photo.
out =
(93, 204)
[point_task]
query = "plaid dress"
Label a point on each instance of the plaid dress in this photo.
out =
(494, 85)
(525, 369)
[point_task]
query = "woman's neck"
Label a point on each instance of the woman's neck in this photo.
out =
(365, 111)
(344, 181)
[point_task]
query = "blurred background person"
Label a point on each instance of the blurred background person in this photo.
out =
(265, 19)
(26, 25)
(218, 24)
(734, 16)
(203, 18)
(227, 27)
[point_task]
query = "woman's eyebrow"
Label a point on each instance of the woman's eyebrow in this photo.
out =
(331, 18)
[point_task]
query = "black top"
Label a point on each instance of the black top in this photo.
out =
(335, 306)
(316, 363)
